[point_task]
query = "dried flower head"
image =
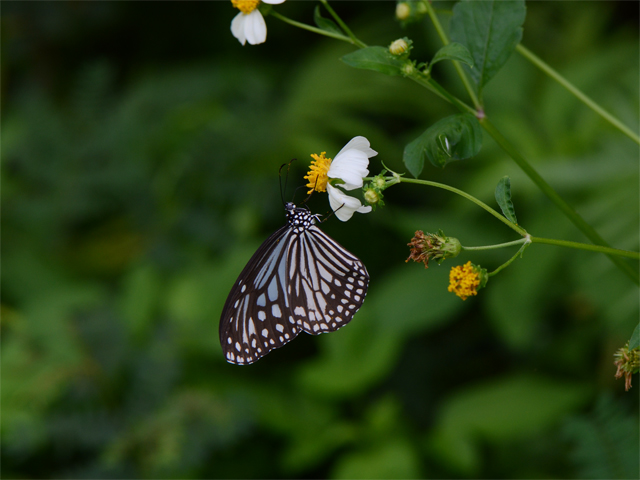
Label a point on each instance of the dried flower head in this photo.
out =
(425, 247)
(628, 363)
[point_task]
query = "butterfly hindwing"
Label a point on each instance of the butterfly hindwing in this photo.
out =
(327, 283)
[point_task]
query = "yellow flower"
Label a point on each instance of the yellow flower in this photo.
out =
(464, 280)
(245, 6)
(346, 172)
(318, 173)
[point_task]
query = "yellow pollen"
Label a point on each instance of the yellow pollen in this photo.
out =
(317, 174)
(246, 6)
(464, 281)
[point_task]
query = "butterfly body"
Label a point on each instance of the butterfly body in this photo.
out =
(298, 280)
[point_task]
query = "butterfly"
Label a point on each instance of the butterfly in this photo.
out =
(300, 279)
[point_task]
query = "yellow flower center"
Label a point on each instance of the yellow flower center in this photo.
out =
(317, 174)
(464, 281)
(246, 6)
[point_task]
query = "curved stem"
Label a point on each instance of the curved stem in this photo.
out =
(445, 41)
(343, 25)
(587, 246)
(508, 262)
(498, 245)
(563, 206)
(577, 93)
(471, 198)
(310, 28)
(436, 88)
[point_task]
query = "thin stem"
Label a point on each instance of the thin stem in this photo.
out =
(498, 245)
(310, 28)
(343, 25)
(445, 41)
(587, 246)
(563, 206)
(508, 262)
(471, 198)
(436, 88)
(538, 62)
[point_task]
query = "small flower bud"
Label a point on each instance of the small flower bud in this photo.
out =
(408, 69)
(403, 10)
(379, 182)
(398, 47)
(372, 197)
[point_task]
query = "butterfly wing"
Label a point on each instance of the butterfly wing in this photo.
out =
(327, 284)
(256, 316)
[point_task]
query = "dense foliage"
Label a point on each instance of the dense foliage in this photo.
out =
(140, 151)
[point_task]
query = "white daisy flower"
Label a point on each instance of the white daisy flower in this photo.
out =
(249, 25)
(350, 166)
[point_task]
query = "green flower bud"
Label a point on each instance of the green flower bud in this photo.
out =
(371, 196)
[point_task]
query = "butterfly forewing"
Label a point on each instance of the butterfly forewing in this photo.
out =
(255, 317)
(299, 279)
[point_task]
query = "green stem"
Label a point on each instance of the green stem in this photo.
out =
(397, 179)
(445, 41)
(508, 262)
(343, 25)
(430, 84)
(319, 31)
(577, 93)
(563, 206)
(587, 246)
(498, 245)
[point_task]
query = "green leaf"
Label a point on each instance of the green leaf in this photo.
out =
(498, 411)
(490, 30)
(376, 58)
(503, 197)
(453, 51)
(453, 138)
(325, 23)
(634, 341)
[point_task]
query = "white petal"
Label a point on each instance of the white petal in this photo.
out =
(350, 164)
(255, 29)
(237, 27)
(359, 143)
(273, 2)
(343, 205)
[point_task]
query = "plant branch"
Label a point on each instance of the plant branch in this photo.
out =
(563, 206)
(464, 194)
(538, 62)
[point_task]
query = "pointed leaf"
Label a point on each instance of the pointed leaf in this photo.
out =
(453, 138)
(325, 23)
(490, 30)
(376, 58)
(453, 51)
(503, 197)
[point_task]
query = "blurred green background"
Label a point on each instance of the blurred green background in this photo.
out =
(140, 153)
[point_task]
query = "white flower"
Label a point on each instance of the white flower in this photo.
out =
(350, 166)
(249, 25)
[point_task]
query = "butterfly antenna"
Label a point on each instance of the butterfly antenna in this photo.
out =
(288, 165)
(310, 193)
(327, 216)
